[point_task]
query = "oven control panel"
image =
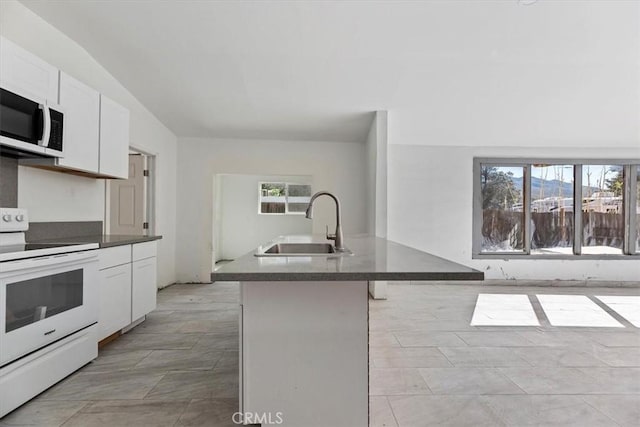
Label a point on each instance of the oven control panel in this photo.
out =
(13, 219)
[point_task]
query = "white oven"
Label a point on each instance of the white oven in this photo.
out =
(48, 310)
(45, 299)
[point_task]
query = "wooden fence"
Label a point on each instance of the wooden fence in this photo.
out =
(553, 229)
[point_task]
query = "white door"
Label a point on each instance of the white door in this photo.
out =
(127, 200)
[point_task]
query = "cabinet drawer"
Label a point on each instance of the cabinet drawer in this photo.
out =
(144, 250)
(117, 255)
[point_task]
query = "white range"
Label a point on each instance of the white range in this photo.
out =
(48, 310)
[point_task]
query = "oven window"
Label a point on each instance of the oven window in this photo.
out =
(32, 300)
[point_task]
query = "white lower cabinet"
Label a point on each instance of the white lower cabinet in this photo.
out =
(115, 287)
(304, 353)
(128, 286)
(144, 290)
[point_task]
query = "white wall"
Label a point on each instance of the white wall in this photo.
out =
(241, 227)
(335, 166)
(431, 205)
(53, 196)
(522, 73)
(544, 79)
(376, 146)
(371, 147)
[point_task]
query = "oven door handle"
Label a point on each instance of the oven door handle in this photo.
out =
(56, 260)
(46, 129)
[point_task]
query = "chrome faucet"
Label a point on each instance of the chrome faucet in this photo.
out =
(337, 236)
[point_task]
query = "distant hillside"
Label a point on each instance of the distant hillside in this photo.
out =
(541, 188)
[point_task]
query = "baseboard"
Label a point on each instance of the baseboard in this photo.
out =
(540, 283)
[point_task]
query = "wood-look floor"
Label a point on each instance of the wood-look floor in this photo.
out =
(428, 365)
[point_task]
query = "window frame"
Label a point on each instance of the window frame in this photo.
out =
(631, 168)
(286, 197)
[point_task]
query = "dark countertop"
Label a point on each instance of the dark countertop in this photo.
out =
(373, 259)
(103, 240)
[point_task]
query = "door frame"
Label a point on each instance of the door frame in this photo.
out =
(151, 162)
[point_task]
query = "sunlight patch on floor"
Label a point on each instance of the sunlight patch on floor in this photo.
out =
(626, 306)
(575, 310)
(503, 310)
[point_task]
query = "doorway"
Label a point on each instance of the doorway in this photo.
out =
(129, 202)
(246, 214)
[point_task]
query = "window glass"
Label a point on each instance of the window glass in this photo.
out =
(602, 209)
(30, 301)
(502, 212)
(552, 209)
(272, 198)
(284, 198)
(638, 209)
(298, 197)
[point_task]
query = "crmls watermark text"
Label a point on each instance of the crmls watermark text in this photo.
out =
(257, 418)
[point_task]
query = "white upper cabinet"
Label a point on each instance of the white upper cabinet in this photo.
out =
(81, 105)
(114, 139)
(96, 129)
(24, 72)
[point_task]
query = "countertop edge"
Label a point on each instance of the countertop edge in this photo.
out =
(142, 239)
(102, 240)
(346, 276)
(373, 258)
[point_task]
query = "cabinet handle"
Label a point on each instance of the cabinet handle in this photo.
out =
(115, 275)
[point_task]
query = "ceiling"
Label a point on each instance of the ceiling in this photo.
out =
(316, 70)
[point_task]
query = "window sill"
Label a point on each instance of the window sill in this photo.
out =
(508, 257)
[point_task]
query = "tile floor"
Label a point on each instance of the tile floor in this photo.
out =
(428, 365)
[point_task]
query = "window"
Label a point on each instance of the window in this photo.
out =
(636, 223)
(555, 208)
(602, 209)
(502, 214)
(552, 227)
(283, 198)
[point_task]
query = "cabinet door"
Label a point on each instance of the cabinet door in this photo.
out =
(114, 139)
(81, 106)
(115, 300)
(144, 288)
(24, 72)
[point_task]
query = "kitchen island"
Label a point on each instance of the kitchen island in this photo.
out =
(304, 326)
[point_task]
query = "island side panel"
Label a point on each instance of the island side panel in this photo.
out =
(304, 352)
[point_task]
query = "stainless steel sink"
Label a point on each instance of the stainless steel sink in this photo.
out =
(301, 249)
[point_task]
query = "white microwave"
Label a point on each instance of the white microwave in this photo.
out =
(29, 127)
